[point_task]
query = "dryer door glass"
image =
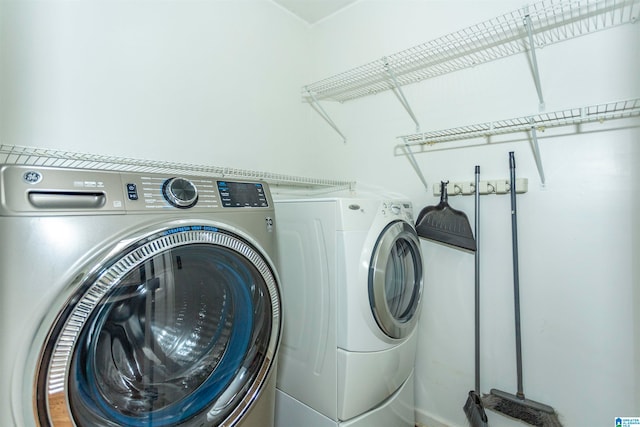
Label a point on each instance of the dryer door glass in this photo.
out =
(395, 279)
(178, 330)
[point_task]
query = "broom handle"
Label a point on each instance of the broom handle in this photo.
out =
(516, 280)
(477, 278)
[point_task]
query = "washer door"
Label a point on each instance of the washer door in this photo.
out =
(177, 329)
(395, 279)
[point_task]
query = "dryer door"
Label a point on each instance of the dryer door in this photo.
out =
(395, 279)
(179, 328)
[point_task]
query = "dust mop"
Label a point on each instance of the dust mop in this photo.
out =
(517, 406)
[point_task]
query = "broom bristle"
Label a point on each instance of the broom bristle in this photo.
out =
(520, 411)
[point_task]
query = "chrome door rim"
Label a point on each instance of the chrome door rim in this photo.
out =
(396, 328)
(51, 398)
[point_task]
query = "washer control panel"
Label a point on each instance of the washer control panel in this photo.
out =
(56, 190)
(155, 191)
(242, 194)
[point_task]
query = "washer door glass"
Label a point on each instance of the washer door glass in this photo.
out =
(177, 331)
(395, 279)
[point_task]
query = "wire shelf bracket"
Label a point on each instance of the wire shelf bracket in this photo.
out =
(531, 124)
(321, 111)
(397, 90)
(536, 153)
(394, 86)
(534, 59)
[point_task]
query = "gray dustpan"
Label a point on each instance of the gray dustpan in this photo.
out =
(444, 224)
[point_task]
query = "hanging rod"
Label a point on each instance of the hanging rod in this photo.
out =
(522, 30)
(574, 116)
(31, 156)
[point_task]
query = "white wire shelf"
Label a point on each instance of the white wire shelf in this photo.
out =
(533, 124)
(540, 122)
(549, 21)
(30, 156)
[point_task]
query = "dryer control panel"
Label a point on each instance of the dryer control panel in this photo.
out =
(399, 208)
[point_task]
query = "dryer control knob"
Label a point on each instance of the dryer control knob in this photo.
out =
(396, 209)
(180, 192)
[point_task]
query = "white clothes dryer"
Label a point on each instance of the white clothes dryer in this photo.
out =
(351, 270)
(136, 299)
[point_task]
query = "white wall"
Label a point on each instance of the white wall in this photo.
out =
(206, 82)
(218, 82)
(578, 234)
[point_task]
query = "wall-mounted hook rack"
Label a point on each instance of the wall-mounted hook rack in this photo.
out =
(494, 186)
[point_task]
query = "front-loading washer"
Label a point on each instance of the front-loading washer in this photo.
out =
(351, 270)
(136, 299)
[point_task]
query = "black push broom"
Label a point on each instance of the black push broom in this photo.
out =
(517, 406)
(473, 406)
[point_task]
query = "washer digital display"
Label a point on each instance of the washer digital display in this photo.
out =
(242, 194)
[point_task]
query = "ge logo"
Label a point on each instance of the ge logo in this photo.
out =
(32, 177)
(269, 222)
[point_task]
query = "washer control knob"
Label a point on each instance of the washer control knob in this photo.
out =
(396, 209)
(180, 192)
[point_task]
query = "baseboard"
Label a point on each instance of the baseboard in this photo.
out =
(425, 419)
